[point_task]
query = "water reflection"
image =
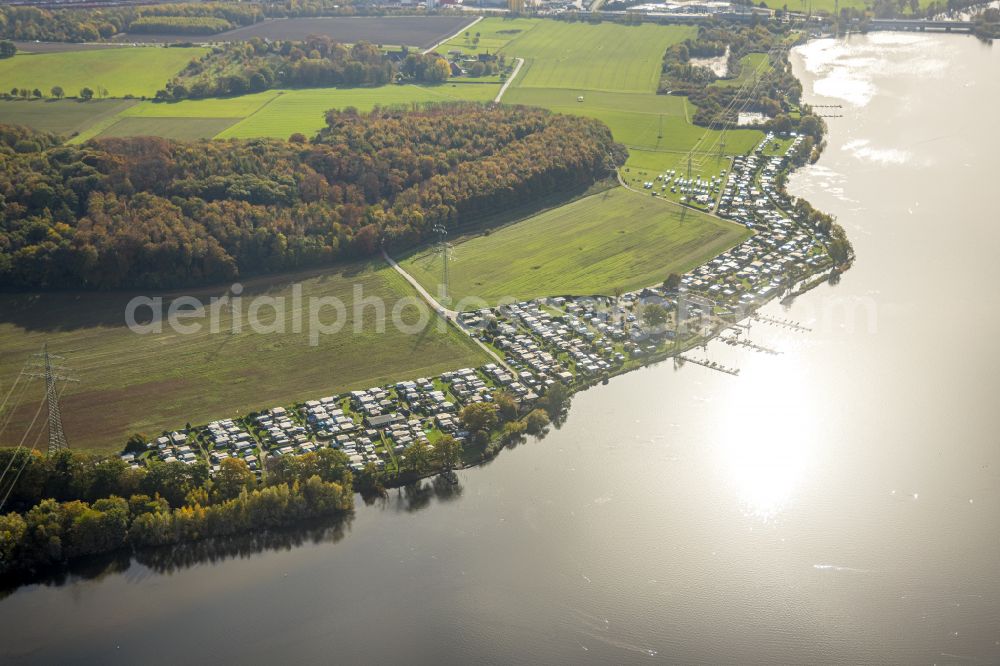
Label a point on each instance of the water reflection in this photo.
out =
(171, 559)
(419, 494)
(767, 449)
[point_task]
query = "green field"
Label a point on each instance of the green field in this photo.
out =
(615, 239)
(606, 56)
(63, 116)
(616, 70)
(127, 71)
(147, 383)
(183, 129)
(752, 67)
(639, 120)
(273, 113)
(494, 35)
(304, 110)
(221, 107)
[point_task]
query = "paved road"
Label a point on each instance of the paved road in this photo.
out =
(510, 80)
(449, 315)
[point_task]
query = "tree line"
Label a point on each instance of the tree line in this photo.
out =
(90, 24)
(256, 65)
(76, 505)
(150, 212)
(25, 23)
(181, 25)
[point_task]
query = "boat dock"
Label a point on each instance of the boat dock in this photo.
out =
(784, 323)
(711, 365)
(735, 340)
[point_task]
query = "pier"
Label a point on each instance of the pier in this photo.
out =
(784, 323)
(711, 365)
(735, 340)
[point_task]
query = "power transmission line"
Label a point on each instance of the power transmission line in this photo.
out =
(27, 456)
(57, 436)
(442, 233)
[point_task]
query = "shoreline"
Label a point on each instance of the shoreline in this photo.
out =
(477, 454)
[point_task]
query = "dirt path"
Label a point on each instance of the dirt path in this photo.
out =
(449, 315)
(510, 80)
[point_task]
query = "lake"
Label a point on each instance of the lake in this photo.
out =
(838, 502)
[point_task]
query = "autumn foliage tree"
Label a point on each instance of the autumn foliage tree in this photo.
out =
(150, 212)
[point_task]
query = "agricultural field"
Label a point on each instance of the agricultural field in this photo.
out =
(605, 56)
(303, 110)
(494, 35)
(218, 107)
(63, 116)
(419, 31)
(639, 120)
(146, 383)
(752, 67)
(273, 113)
(121, 71)
(181, 129)
(615, 70)
(614, 239)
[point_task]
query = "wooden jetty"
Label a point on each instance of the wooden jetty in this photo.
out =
(778, 321)
(734, 341)
(711, 365)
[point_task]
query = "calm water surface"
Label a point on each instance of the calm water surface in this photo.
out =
(837, 503)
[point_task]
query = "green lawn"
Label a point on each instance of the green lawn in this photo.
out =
(127, 71)
(591, 246)
(605, 56)
(303, 110)
(131, 382)
(64, 116)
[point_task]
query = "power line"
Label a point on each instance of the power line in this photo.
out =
(5, 421)
(27, 456)
(442, 233)
(57, 436)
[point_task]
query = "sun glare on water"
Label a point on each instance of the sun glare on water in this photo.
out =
(766, 443)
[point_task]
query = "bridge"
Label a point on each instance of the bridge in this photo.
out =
(919, 25)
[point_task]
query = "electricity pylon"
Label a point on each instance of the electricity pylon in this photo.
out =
(57, 437)
(442, 233)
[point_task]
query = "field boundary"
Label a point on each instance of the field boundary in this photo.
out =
(451, 37)
(100, 123)
(248, 116)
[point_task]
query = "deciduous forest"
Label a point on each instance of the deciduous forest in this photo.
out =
(150, 212)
